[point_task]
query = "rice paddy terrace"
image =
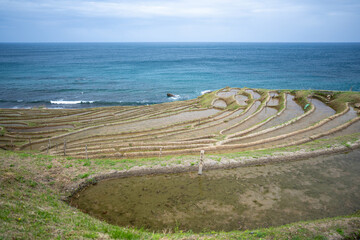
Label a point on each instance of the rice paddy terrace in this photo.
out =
(226, 120)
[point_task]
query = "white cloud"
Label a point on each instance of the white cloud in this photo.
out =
(181, 20)
(122, 9)
(145, 9)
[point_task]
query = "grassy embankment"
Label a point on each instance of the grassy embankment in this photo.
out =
(32, 186)
(336, 100)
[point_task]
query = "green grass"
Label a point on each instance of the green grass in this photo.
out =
(32, 209)
(233, 106)
(340, 231)
(207, 98)
(301, 98)
(340, 98)
(248, 95)
(32, 124)
(2, 131)
(82, 176)
(281, 105)
(263, 94)
(220, 137)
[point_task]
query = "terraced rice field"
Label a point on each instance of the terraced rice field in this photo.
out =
(227, 120)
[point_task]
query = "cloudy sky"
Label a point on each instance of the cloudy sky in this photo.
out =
(180, 21)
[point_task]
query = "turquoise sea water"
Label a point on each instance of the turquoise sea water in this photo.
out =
(77, 75)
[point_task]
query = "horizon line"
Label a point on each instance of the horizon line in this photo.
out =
(179, 42)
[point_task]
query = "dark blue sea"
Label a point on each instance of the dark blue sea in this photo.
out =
(79, 75)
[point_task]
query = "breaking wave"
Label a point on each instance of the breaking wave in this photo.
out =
(62, 102)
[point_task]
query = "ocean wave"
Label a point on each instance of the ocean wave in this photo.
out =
(17, 107)
(205, 91)
(175, 97)
(70, 102)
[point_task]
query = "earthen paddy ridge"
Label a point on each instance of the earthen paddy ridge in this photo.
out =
(73, 148)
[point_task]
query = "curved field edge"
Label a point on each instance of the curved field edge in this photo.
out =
(20, 137)
(33, 186)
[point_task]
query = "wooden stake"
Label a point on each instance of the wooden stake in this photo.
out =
(64, 147)
(30, 143)
(201, 162)
(49, 143)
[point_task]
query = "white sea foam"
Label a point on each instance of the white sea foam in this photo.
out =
(206, 91)
(70, 102)
(17, 107)
(176, 97)
(142, 101)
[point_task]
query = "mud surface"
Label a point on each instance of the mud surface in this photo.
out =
(253, 93)
(322, 111)
(214, 127)
(324, 128)
(226, 94)
(242, 198)
(39, 129)
(292, 110)
(220, 103)
(274, 101)
(241, 99)
(263, 114)
(147, 124)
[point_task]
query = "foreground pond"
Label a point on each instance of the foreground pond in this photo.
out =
(242, 198)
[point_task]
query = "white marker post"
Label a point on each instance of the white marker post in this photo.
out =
(160, 152)
(201, 163)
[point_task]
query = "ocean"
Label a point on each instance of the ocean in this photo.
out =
(82, 75)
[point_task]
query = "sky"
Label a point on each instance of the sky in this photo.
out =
(180, 21)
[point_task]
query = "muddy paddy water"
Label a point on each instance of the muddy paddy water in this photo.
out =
(241, 198)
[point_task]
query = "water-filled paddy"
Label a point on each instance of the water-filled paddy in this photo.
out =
(241, 99)
(322, 111)
(220, 103)
(242, 198)
(292, 110)
(253, 93)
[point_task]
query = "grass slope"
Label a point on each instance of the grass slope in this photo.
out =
(32, 187)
